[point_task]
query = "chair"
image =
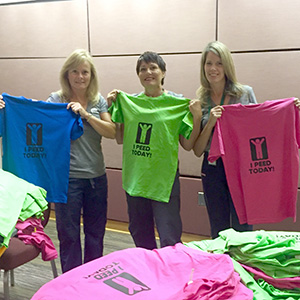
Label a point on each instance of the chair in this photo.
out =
(17, 254)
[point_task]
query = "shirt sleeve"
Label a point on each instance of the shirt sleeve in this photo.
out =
(252, 98)
(116, 109)
(217, 145)
(77, 128)
(187, 125)
(103, 107)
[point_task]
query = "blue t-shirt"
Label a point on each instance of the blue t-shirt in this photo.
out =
(36, 142)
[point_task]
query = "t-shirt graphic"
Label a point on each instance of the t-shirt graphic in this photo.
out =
(34, 134)
(127, 284)
(36, 143)
(259, 148)
(143, 133)
(151, 134)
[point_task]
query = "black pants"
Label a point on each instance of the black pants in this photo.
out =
(90, 195)
(220, 208)
(144, 213)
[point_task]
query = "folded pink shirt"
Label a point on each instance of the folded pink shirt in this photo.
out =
(31, 231)
(280, 283)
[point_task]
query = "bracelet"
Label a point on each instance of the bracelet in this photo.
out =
(89, 117)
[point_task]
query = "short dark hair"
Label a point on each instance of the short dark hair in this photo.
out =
(148, 57)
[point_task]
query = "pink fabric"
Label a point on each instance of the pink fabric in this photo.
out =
(204, 289)
(169, 273)
(280, 283)
(259, 148)
(31, 231)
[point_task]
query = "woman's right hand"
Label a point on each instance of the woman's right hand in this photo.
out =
(2, 103)
(111, 97)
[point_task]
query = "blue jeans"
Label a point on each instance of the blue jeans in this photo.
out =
(220, 208)
(144, 212)
(90, 197)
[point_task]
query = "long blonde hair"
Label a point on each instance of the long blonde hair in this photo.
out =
(75, 59)
(232, 87)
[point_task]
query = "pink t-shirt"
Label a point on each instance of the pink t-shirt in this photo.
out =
(259, 147)
(31, 232)
(169, 273)
(280, 283)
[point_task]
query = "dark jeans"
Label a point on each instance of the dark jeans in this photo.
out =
(220, 208)
(144, 213)
(90, 196)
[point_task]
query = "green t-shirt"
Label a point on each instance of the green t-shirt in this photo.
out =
(150, 145)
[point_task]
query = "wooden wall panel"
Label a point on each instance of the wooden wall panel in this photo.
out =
(112, 153)
(118, 73)
(43, 29)
(259, 25)
(31, 78)
(183, 74)
(272, 75)
(133, 26)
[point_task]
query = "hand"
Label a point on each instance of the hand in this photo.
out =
(2, 103)
(215, 114)
(78, 109)
(297, 103)
(111, 97)
(195, 108)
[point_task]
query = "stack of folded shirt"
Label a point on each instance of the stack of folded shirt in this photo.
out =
(268, 262)
(19, 199)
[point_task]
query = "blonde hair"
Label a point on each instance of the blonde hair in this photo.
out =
(75, 59)
(232, 87)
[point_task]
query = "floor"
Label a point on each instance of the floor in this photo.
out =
(31, 276)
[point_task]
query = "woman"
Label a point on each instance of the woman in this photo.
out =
(218, 86)
(151, 114)
(87, 178)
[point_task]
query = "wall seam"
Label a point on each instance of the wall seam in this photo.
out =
(217, 19)
(88, 25)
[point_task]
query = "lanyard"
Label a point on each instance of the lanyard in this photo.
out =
(210, 101)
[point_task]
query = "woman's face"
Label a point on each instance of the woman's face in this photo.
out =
(150, 75)
(80, 77)
(214, 70)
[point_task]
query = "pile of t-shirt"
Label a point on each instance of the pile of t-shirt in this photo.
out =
(268, 262)
(19, 199)
(174, 272)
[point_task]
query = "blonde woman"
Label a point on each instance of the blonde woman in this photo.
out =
(87, 189)
(219, 86)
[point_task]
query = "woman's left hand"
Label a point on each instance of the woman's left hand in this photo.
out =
(195, 108)
(78, 109)
(297, 103)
